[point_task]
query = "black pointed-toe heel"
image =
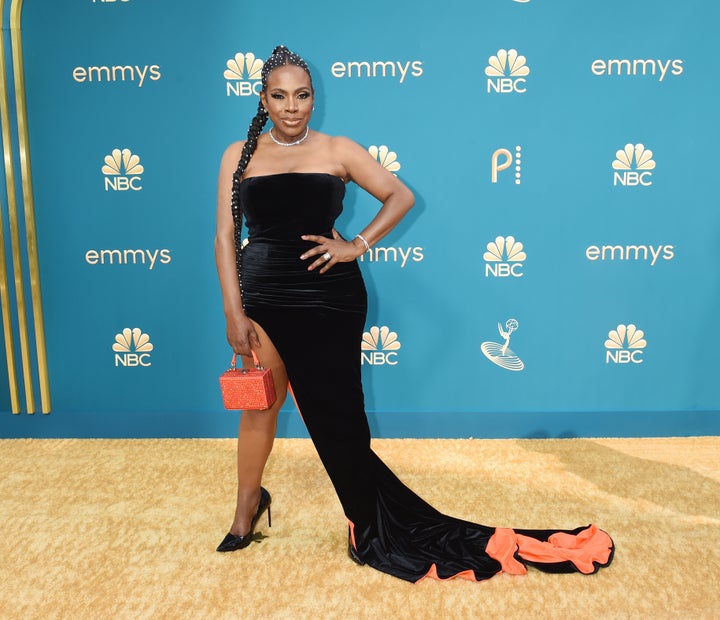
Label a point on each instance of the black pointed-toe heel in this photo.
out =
(353, 553)
(232, 542)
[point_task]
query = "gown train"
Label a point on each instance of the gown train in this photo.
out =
(316, 323)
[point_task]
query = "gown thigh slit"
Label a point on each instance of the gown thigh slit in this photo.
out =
(316, 321)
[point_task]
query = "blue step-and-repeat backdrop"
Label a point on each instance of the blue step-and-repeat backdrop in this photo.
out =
(559, 275)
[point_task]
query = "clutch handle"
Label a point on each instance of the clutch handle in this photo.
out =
(233, 363)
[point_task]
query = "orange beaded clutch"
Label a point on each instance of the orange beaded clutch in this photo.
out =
(247, 388)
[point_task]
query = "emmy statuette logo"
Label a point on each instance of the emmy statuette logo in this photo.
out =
(502, 159)
(504, 258)
(625, 345)
(502, 354)
(122, 171)
(506, 72)
(132, 348)
(243, 73)
(379, 347)
(632, 166)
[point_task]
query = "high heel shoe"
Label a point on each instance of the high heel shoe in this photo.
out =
(352, 552)
(232, 542)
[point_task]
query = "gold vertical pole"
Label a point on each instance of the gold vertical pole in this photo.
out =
(6, 321)
(6, 318)
(28, 203)
(15, 244)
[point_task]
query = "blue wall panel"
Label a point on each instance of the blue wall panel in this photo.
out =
(602, 254)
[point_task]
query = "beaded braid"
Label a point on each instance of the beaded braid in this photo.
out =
(280, 56)
(256, 127)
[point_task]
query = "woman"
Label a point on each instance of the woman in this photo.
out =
(294, 297)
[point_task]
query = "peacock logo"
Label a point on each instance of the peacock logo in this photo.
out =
(504, 257)
(380, 346)
(506, 72)
(243, 73)
(132, 348)
(122, 170)
(625, 345)
(385, 157)
(632, 166)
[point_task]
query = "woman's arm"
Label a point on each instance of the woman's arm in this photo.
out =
(240, 332)
(396, 199)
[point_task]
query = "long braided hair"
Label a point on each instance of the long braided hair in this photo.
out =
(280, 56)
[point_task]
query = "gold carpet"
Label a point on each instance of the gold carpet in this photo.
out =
(128, 529)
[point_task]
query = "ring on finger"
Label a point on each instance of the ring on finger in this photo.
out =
(327, 256)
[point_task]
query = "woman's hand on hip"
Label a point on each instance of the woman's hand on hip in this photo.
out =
(327, 252)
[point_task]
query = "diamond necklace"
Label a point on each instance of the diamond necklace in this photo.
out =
(301, 140)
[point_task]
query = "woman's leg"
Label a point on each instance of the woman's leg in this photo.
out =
(255, 437)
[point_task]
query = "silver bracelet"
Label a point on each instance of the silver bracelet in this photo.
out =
(367, 245)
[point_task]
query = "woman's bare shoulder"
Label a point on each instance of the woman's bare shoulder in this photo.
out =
(234, 150)
(343, 142)
(345, 147)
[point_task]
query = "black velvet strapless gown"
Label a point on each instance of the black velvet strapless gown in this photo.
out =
(316, 323)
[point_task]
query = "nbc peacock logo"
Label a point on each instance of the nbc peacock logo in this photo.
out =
(625, 345)
(385, 157)
(632, 166)
(132, 348)
(501, 354)
(506, 72)
(504, 258)
(243, 75)
(379, 347)
(122, 170)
